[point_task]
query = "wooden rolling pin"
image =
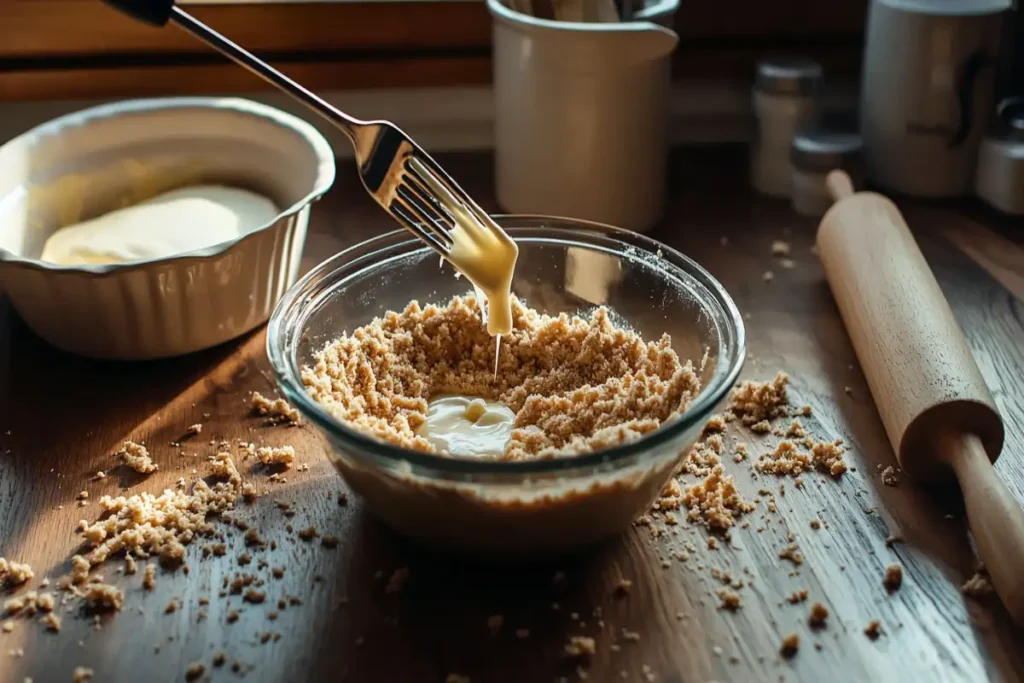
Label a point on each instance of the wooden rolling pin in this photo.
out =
(937, 410)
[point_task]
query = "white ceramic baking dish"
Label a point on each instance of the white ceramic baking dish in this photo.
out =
(85, 164)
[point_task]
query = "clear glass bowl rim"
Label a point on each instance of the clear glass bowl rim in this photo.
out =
(287, 323)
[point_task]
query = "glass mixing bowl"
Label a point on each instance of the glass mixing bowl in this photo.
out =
(523, 508)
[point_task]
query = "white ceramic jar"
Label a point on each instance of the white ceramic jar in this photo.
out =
(581, 120)
(785, 102)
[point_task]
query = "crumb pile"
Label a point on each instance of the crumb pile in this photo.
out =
(575, 385)
(277, 410)
(137, 457)
(145, 524)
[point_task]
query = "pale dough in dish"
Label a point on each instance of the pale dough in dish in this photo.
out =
(175, 222)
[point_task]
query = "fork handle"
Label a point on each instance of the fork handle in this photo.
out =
(160, 12)
(152, 12)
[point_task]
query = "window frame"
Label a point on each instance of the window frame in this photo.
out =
(83, 48)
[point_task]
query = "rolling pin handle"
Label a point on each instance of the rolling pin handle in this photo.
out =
(839, 185)
(996, 519)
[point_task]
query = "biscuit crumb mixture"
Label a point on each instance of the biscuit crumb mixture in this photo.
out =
(136, 456)
(755, 402)
(14, 573)
(273, 455)
(580, 646)
(277, 410)
(979, 585)
(575, 385)
(715, 501)
(145, 524)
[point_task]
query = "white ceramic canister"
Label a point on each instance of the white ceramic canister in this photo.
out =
(581, 121)
(812, 156)
(927, 92)
(786, 102)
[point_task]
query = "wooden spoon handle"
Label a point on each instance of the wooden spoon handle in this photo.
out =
(997, 521)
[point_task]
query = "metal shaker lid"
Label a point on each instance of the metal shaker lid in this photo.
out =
(788, 76)
(1010, 120)
(825, 150)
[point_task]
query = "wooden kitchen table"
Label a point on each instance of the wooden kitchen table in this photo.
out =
(63, 418)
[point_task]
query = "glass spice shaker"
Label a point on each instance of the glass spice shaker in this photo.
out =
(812, 156)
(786, 102)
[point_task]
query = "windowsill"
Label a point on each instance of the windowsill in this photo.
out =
(462, 118)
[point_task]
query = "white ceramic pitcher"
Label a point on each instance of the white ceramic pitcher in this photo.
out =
(581, 121)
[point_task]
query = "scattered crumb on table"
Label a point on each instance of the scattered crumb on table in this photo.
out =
(790, 645)
(893, 577)
(136, 457)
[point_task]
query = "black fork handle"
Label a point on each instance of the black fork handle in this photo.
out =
(152, 12)
(160, 12)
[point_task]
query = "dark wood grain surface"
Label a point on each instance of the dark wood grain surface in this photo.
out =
(62, 418)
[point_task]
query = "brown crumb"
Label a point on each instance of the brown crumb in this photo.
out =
(780, 248)
(219, 658)
(889, 476)
(580, 646)
(893, 577)
(795, 430)
(873, 630)
(102, 596)
(792, 553)
(715, 501)
(252, 538)
(7, 626)
(137, 457)
(254, 596)
(149, 577)
(730, 600)
(797, 596)
(623, 588)
(399, 578)
(194, 429)
(14, 573)
(330, 541)
(818, 616)
(716, 423)
(768, 276)
(754, 402)
(630, 636)
(145, 524)
(277, 410)
(815, 524)
(52, 622)
(979, 585)
(195, 671)
(81, 675)
(276, 455)
(171, 607)
(308, 534)
(790, 645)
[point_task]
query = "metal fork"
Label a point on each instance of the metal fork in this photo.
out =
(397, 172)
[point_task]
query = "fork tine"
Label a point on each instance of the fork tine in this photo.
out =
(412, 182)
(420, 208)
(440, 183)
(400, 212)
